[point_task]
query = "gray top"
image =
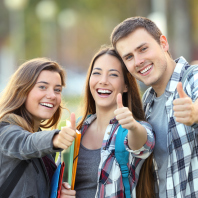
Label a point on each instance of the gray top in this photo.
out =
(159, 122)
(87, 172)
(17, 144)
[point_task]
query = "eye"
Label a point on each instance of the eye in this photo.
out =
(58, 90)
(144, 49)
(95, 73)
(114, 75)
(42, 87)
(129, 57)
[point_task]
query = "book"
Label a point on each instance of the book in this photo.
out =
(70, 157)
(56, 182)
(67, 158)
(60, 179)
(75, 157)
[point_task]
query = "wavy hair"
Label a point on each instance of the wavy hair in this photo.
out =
(132, 100)
(13, 97)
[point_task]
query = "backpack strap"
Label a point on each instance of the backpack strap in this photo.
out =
(187, 72)
(10, 183)
(122, 157)
(78, 120)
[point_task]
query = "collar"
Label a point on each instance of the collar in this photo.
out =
(181, 66)
(92, 117)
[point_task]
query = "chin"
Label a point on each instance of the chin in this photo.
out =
(46, 117)
(149, 83)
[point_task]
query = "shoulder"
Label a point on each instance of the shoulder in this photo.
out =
(2, 124)
(89, 119)
(10, 130)
(189, 79)
(9, 127)
(188, 72)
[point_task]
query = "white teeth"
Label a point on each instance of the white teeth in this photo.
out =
(103, 91)
(47, 105)
(146, 69)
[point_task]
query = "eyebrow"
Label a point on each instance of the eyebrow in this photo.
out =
(97, 68)
(47, 83)
(138, 47)
(109, 70)
(114, 70)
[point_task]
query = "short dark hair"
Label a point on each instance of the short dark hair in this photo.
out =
(129, 25)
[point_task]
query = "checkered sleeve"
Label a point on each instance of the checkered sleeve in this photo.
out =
(191, 88)
(147, 148)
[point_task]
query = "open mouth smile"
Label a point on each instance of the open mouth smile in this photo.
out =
(104, 92)
(145, 70)
(47, 105)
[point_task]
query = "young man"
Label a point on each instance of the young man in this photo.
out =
(171, 109)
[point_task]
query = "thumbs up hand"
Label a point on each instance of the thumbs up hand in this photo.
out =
(66, 136)
(137, 134)
(124, 115)
(183, 107)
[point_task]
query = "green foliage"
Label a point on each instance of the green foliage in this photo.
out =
(95, 21)
(71, 104)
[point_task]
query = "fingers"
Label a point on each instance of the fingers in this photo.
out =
(180, 90)
(125, 117)
(119, 101)
(66, 136)
(66, 191)
(73, 121)
(66, 185)
(183, 107)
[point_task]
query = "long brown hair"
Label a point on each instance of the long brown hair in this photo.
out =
(12, 101)
(132, 100)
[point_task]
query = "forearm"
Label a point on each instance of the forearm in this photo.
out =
(137, 137)
(18, 143)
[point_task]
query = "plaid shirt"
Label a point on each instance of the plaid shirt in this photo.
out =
(109, 183)
(182, 140)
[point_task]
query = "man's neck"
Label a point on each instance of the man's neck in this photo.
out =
(161, 85)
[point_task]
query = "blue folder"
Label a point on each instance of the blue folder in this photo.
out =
(55, 182)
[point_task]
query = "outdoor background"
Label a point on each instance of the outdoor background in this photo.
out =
(71, 31)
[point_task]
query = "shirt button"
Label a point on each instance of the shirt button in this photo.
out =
(108, 133)
(104, 148)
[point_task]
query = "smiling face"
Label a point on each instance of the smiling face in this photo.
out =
(106, 81)
(45, 97)
(145, 58)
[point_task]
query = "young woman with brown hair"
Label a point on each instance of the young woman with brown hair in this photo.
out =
(32, 99)
(111, 100)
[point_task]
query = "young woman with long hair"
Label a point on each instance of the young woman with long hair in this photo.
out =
(112, 100)
(31, 101)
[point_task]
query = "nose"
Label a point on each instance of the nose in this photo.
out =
(139, 60)
(51, 94)
(103, 79)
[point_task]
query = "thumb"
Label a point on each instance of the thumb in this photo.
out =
(73, 121)
(66, 185)
(180, 90)
(119, 101)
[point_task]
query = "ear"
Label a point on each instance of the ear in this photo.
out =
(164, 43)
(125, 89)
